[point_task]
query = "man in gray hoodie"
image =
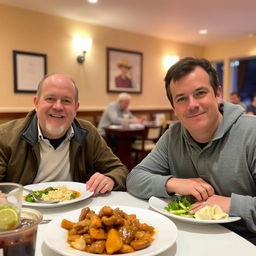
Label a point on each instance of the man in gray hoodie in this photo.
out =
(209, 154)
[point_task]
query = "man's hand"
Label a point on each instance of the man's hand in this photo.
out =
(137, 121)
(222, 201)
(196, 187)
(99, 183)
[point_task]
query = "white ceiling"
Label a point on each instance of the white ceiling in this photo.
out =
(176, 20)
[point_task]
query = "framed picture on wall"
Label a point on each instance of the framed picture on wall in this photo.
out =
(29, 68)
(124, 71)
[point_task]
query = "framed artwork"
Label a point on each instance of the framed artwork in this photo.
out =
(124, 71)
(29, 68)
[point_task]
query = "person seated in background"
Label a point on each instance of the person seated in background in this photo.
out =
(209, 153)
(251, 109)
(117, 113)
(50, 144)
(235, 98)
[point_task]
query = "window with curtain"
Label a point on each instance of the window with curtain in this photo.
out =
(243, 79)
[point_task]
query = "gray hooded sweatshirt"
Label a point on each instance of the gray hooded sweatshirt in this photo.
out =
(227, 162)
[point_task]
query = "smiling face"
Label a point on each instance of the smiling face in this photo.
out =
(56, 105)
(196, 105)
(124, 70)
(234, 98)
(123, 104)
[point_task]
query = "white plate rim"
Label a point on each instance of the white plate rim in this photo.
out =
(152, 203)
(141, 214)
(115, 126)
(81, 187)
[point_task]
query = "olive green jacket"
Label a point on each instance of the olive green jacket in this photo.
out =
(20, 156)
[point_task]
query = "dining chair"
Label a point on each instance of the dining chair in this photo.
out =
(145, 143)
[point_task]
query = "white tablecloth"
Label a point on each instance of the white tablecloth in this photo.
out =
(192, 240)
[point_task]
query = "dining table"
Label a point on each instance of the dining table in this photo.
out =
(192, 239)
(124, 136)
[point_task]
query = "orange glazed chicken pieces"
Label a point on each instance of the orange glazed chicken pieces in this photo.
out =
(108, 232)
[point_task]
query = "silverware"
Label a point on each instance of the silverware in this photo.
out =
(44, 221)
(38, 199)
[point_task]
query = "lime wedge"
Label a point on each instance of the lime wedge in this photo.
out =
(9, 217)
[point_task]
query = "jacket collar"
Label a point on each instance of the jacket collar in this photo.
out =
(30, 133)
(79, 132)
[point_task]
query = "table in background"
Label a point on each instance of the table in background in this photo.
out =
(124, 138)
(192, 239)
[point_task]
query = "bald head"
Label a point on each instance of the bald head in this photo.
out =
(56, 78)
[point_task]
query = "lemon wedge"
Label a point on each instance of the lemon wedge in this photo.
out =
(9, 217)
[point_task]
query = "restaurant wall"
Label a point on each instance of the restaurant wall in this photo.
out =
(30, 31)
(228, 51)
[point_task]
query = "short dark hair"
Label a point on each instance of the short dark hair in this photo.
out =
(186, 66)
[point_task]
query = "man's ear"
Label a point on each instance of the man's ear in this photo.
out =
(35, 101)
(219, 95)
(77, 106)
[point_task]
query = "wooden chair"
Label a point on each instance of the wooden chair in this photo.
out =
(145, 143)
(168, 124)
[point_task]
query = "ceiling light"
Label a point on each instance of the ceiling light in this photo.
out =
(93, 1)
(203, 32)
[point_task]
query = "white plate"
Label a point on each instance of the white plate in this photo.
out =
(165, 237)
(136, 126)
(81, 187)
(115, 126)
(158, 205)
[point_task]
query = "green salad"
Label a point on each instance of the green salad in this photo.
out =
(181, 206)
(39, 193)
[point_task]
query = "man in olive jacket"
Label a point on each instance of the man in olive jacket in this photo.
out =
(50, 144)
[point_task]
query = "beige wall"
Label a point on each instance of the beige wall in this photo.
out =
(35, 32)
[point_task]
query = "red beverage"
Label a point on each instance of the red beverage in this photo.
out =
(22, 240)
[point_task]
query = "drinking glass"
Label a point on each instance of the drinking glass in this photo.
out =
(22, 240)
(10, 205)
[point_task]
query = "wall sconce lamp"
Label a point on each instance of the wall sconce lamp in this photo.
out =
(81, 58)
(82, 45)
(169, 61)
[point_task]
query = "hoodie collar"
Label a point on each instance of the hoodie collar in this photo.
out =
(231, 112)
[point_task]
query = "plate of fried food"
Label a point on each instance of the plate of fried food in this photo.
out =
(107, 230)
(63, 191)
(178, 207)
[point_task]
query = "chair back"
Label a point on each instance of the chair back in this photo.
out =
(152, 132)
(145, 143)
